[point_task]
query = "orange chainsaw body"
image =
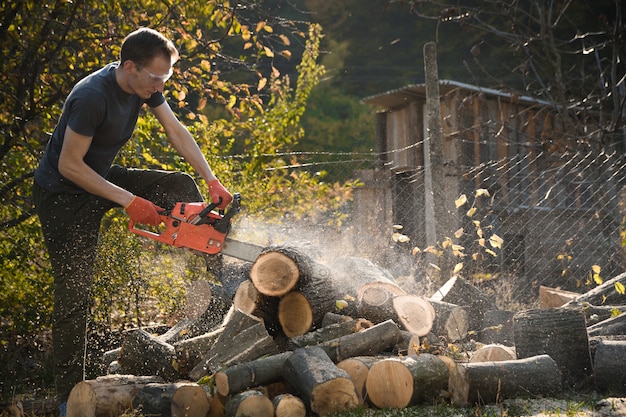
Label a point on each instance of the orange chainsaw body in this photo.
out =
(186, 226)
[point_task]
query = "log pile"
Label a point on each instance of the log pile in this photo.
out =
(297, 337)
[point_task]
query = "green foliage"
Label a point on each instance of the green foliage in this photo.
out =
(228, 88)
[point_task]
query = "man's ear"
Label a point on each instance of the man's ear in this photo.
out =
(130, 67)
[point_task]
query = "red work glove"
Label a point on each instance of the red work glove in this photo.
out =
(143, 211)
(217, 191)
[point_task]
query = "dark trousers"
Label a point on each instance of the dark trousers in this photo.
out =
(71, 225)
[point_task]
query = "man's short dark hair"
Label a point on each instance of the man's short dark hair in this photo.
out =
(142, 45)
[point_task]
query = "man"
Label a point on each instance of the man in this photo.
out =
(76, 181)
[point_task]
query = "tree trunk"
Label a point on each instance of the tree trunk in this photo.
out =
(492, 382)
(609, 327)
(609, 369)
(106, 396)
(251, 343)
(497, 327)
(249, 403)
(458, 388)
(332, 331)
(251, 374)
(189, 352)
(460, 292)
(288, 405)
(413, 313)
(250, 301)
(451, 321)
(559, 333)
(144, 354)
(181, 399)
(403, 382)
(323, 387)
(493, 353)
(358, 368)
(379, 338)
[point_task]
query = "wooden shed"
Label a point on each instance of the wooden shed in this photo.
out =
(547, 184)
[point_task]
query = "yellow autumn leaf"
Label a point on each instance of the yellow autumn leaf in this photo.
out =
(615, 312)
(399, 237)
(341, 304)
(286, 53)
(447, 243)
(261, 84)
(596, 269)
(482, 192)
(457, 247)
(268, 52)
(471, 212)
(490, 252)
(458, 233)
(619, 287)
(415, 251)
(460, 201)
(397, 227)
(232, 100)
(285, 39)
(481, 242)
(597, 279)
(496, 241)
(457, 268)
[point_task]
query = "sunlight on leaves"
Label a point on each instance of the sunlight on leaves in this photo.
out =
(482, 192)
(496, 241)
(619, 287)
(457, 268)
(471, 212)
(460, 201)
(458, 233)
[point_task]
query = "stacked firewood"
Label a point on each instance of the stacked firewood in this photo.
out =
(291, 336)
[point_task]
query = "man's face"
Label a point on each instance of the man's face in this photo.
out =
(149, 78)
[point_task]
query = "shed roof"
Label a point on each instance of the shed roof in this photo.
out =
(399, 97)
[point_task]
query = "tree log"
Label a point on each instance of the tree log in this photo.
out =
(609, 369)
(288, 405)
(276, 271)
(561, 334)
(408, 344)
(458, 388)
(604, 294)
(611, 326)
(333, 318)
(180, 399)
(415, 314)
(323, 387)
(250, 403)
(358, 368)
(144, 354)
(493, 353)
(555, 297)
(596, 314)
(497, 327)
(407, 381)
(491, 382)
(251, 343)
(460, 292)
(247, 375)
(354, 275)
(189, 352)
(378, 338)
(250, 301)
(451, 321)
(106, 395)
(332, 331)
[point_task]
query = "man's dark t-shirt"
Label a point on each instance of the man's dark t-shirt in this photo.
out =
(96, 107)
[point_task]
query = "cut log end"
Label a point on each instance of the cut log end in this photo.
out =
(274, 274)
(389, 384)
(415, 313)
(295, 314)
(246, 297)
(334, 396)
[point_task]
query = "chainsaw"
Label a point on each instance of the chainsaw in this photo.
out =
(197, 226)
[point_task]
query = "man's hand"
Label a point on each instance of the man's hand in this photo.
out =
(143, 211)
(217, 191)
